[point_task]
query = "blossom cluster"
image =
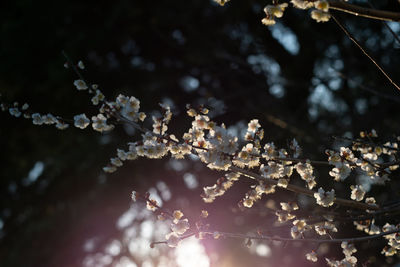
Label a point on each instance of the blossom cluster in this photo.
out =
(276, 10)
(348, 261)
(179, 226)
(271, 167)
(272, 12)
(37, 118)
(393, 246)
(368, 161)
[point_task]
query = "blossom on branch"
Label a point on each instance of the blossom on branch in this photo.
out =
(172, 239)
(357, 192)
(312, 256)
(302, 4)
(81, 121)
(100, 123)
(325, 199)
(320, 16)
(80, 85)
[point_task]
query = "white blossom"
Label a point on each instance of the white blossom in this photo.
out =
(273, 170)
(346, 262)
(289, 206)
(324, 228)
(109, 169)
(284, 216)
(221, 2)
(142, 116)
(389, 251)
(81, 121)
(294, 146)
(357, 192)
(177, 214)
(268, 21)
(247, 157)
(248, 202)
(283, 183)
(312, 256)
(322, 5)
(306, 170)
(320, 16)
(302, 4)
(300, 226)
(134, 196)
(100, 123)
(49, 119)
(172, 239)
(97, 97)
(14, 112)
(180, 226)
(81, 65)
(323, 198)
(37, 119)
(275, 10)
(80, 85)
(116, 162)
(25, 106)
(151, 205)
(62, 125)
(270, 151)
(341, 173)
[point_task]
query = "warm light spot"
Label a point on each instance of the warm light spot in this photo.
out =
(125, 262)
(263, 250)
(191, 253)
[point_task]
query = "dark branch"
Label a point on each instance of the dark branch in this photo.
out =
(364, 12)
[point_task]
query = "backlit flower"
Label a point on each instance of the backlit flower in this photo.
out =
(320, 16)
(80, 85)
(323, 198)
(81, 121)
(357, 192)
(312, 256)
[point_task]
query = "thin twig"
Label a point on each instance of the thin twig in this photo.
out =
(351, 37)
(166, 242)
(368, 89)
(386, 25)
(364, 12)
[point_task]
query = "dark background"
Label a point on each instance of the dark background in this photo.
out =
(178, 52)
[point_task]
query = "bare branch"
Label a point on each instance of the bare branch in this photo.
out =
(351, 37)
(364, 12)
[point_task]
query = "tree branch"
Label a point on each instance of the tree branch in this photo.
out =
(351, 37)
(285, 239)
(311, 240)
(364, 12)
(303, 190)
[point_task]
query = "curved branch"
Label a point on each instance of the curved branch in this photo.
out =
(311, 240)
(364, 12)
(284, 239)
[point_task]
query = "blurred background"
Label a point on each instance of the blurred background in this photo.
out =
(300, 78)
